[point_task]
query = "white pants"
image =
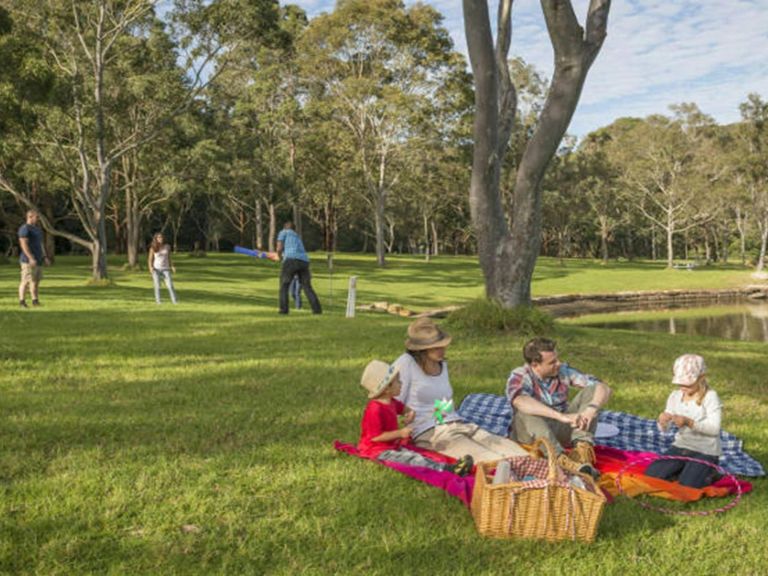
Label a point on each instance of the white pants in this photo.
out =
(459, 438)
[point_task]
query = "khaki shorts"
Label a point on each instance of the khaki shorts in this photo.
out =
(31, 273)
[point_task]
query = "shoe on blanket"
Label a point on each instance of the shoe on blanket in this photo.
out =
(583, 453)
(463, 465)
(570, 465)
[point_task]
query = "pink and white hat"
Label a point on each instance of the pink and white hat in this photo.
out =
(688, 368)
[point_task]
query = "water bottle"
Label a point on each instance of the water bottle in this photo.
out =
(503, 472)
(578, 482)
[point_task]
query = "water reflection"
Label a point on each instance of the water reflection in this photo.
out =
(743, 323)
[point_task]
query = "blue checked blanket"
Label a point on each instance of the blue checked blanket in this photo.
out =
(494, 414)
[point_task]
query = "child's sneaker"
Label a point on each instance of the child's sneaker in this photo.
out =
(572, 466)
(583, 452)
(463, 465)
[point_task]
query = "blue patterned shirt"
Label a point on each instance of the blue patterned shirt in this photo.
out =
(550, 391)
(293, 247)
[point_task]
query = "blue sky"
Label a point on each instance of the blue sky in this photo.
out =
(657, 53)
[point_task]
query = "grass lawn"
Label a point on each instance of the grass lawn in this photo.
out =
(196, 439)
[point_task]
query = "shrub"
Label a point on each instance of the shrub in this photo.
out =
(483, 315)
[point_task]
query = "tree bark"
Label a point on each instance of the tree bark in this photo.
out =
(378, 222)
(259, 240)
(132, 226)
(763, 226)
(272, 226)
(508, 256)
(670, 230)
(741, 226)
(604, 231)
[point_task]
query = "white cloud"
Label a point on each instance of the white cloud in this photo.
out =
(657, 53)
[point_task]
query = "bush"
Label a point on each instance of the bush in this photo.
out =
(483, 315)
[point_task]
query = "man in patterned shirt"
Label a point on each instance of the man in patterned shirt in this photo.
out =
(538, 392)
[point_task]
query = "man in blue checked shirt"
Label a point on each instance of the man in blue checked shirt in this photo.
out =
(538, 392)
(295, 262)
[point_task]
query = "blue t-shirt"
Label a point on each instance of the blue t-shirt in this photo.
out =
(34, 237)
(293, 247)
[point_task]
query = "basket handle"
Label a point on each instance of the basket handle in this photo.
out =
(549, 453)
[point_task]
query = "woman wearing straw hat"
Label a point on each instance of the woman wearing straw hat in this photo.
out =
(426, 389)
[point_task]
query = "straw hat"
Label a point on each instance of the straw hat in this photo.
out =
(424, 334)
(688, 368)
(377, 376)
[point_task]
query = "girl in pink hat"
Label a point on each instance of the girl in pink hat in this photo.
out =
(695, 410)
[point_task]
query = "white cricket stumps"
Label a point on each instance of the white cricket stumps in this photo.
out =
(351, 297)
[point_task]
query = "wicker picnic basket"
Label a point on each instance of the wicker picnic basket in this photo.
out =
(548, 507)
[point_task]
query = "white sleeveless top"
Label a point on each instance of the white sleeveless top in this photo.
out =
(162, 260)
(420, 391)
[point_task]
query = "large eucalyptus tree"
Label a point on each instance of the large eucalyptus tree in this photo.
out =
(508, 253)
(377, 64)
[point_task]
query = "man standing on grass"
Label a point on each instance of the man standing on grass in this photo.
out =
(32, 258)
(295, 262)
(538, 393)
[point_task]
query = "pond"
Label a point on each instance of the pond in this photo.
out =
(737, 322)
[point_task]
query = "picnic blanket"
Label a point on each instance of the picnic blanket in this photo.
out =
(493, 413)
(453, 484)
(609, 461)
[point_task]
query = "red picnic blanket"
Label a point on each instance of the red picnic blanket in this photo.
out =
(609, 462)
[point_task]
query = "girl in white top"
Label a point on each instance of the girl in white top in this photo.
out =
(695, 409)
(427, 390)
(159, 262)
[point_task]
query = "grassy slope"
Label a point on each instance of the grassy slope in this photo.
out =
(121, 422)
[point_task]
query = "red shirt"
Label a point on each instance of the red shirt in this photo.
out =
(377, 418)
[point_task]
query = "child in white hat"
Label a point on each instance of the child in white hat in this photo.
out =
(380, 436)
(695, 409)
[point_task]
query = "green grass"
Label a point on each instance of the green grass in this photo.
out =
(122, 422)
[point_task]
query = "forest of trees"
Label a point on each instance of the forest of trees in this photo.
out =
(215, 121)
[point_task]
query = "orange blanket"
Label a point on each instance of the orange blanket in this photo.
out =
(610, 461)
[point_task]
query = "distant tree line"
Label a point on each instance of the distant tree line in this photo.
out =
(216, 121)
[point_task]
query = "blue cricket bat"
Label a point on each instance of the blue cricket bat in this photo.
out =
(257, 253)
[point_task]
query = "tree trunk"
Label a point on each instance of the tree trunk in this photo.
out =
(435, 243)
(272, 226)
(670, 229)
(725, 242)
(259, 240)
(716, 245)
(740, 226)
(763, 226)
(99, 255)
(329, 225)
(297, 218)
(427, 251)
(104, 163)
(508, 257)
(707, 250)
(390, 243)
(132, 227)
(49, 239)
(378, 222)
(604, 239)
